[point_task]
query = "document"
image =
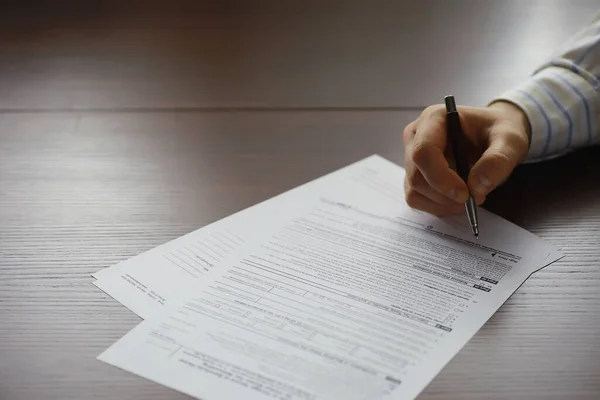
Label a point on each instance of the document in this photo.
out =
(348, 295)
(145, 282)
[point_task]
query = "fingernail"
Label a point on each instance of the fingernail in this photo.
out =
(484, 184)
(458, 195)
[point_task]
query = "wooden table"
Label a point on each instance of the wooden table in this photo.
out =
(124, 126)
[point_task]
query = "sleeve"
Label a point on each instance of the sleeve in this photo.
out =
(562, 98)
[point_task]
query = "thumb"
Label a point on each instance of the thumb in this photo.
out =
(505, 151)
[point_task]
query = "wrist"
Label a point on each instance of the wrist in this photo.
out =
(514, 115)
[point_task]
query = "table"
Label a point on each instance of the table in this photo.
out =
(123, 126)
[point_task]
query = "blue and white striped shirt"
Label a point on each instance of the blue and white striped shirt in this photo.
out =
(562, 97)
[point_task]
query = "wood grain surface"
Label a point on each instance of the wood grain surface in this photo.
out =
(123, 126)
(256, 54)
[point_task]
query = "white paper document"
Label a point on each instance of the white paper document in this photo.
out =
(144, 283)
(346, 294)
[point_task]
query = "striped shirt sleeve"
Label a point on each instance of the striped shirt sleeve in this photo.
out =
(562, 98)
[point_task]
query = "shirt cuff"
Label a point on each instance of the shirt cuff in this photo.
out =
(558, 104)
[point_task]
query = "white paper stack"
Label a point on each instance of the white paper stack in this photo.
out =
(333, 290)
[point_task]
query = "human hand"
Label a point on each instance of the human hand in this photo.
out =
(497, 141)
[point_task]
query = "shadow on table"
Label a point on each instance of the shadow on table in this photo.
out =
(568, 187)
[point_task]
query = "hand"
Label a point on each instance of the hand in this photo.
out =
(498, 139)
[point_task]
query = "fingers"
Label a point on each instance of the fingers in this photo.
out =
(497, 144)
(426, 150)
(422, 197)
(418, 201)
(505, 151)
(416, 182)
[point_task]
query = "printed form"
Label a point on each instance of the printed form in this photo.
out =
(349, 295)
(144, 283)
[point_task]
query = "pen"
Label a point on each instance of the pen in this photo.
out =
(456, 135)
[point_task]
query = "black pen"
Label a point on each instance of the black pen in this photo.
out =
(455, 133)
